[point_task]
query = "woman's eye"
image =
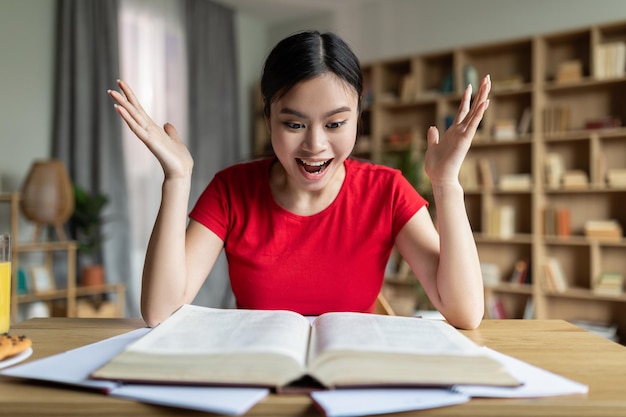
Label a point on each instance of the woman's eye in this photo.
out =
(294, 125)
(335, 125)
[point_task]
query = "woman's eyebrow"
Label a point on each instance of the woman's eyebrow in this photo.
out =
(287, 110)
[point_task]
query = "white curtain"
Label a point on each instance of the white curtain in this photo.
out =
(153, 61)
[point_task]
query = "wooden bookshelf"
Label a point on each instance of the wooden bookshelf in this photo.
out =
(554, 95)
(539, 107)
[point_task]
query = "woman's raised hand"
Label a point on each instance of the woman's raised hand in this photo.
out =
(444, 156)
(163, 142)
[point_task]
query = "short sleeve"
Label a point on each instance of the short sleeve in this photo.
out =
(212, 208)
(407, 202)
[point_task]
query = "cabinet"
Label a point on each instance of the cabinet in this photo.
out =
(68, 301)
(556, 99)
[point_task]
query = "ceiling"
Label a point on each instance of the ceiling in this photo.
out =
(276, 11)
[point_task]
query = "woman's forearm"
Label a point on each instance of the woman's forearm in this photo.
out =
(459, 279)
(164, 280)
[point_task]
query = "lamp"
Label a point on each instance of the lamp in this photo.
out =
(47, 196)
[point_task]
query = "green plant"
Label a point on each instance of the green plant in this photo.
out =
(411, 164)
(86, 221)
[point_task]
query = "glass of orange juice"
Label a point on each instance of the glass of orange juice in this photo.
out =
(5, 283)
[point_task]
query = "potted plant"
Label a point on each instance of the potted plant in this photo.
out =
(86, 223)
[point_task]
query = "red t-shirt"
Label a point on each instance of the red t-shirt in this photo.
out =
(331, 261)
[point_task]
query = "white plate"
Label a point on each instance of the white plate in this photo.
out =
(16, 358)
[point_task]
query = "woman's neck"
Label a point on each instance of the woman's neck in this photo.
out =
(301, 201)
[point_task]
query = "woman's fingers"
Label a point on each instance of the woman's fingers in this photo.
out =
(128, 106)
(130, 96)
(135, 127)
(481, 102)
(481, 96)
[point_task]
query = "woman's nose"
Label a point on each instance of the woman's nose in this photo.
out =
(315, 140)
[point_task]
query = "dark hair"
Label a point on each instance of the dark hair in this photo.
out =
(307, 55)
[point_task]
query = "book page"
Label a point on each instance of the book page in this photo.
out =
(356, 349)
(201, 330)
(392, 334)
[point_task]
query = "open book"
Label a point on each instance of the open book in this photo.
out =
(200, 345)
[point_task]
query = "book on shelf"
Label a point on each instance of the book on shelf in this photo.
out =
(555, 277)
(274, 348)
(575, 179)
(603, 229)
(501, 221)
(515, 182)
(521, 272)
(557, 222)
(504, 130)
(524, 124)
(408, 88)
(529, 309)
(609, 283)
(616, 177)
(610, 60)
(556, 119)
(606, 122)
(511, 82)
(569, 71)
(496, 308)
(554, 167)
(487, 173)
(490, 273)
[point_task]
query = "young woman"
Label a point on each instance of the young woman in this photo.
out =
(311, 230)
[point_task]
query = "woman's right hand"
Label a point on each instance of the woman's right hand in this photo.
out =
(163, 142)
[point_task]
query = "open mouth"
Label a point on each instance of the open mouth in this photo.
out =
(314, 167)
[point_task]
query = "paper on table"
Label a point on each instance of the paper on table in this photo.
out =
(74, 367)
(222, 400)
(537, 382)
(362, 402)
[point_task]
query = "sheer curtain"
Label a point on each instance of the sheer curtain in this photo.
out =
(155, 37)
(153, 62)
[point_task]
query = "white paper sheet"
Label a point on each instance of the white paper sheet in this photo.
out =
(230, 401)
(363, 402)
(74, 367)
(537, 382)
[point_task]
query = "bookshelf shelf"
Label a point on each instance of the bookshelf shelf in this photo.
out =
(586, 294)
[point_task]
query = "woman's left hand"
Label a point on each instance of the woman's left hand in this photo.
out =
(444, 156)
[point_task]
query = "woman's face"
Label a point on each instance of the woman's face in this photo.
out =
(313, 129)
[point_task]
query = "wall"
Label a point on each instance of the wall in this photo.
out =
(26, 48)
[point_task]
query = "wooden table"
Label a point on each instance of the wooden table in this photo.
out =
(553, 345)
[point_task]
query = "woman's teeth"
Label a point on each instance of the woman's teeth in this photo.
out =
(314, 167)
